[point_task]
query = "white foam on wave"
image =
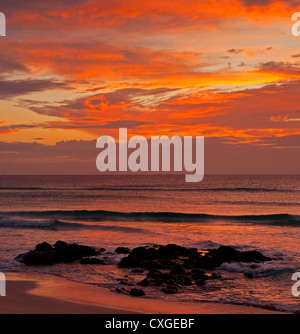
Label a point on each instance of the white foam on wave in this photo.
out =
(262, 269)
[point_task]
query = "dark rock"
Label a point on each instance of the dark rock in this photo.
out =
(91, 261)
(124, 282)
(60, 245)
(43, 247)
(199, 275)
(225, 254)
(137, 271)
(129, 262)
(229, 254)
(200, 282)
(152, 264)
(253, 256)
(153, 273)
(122, 250)
(160, 257)
(170, 289)
(171, 251)
(62, 252)
(149, 253)
(166, 257)
(144, 282)
(136, 292)
(208, 262)
(178, 269)
(37, 258)
(184, 280)
(75, 252)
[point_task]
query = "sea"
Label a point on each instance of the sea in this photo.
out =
(248, 212)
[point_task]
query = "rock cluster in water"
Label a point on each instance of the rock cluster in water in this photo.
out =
(46, 254)
(169, 267)
(172, 267)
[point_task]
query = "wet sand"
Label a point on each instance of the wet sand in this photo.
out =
(33, 293)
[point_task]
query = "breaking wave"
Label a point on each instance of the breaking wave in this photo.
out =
(52, 219)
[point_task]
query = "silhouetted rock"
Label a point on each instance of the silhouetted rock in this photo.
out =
(160, 257)
(207, 262)
(45, 254)
(137, 292)
(153, 273)
(43, 247)
(170, 289)
(144, 282)
(129, 262)
(200, 282)
(137, 271)
(37, 258)
(199, 275)
(178, 269)
(253, 256)
(216, 257)
(229, 254)
(172, 267)
(122, 250)
(172, 251)
(60, 245)
(141, 253)
(124, 282)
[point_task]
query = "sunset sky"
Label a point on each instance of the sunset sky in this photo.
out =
(71, 71)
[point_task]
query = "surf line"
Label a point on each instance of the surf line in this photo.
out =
(185, 154)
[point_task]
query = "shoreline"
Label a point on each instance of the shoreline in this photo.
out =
(35, 293)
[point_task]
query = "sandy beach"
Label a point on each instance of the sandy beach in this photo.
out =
(34, 293)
